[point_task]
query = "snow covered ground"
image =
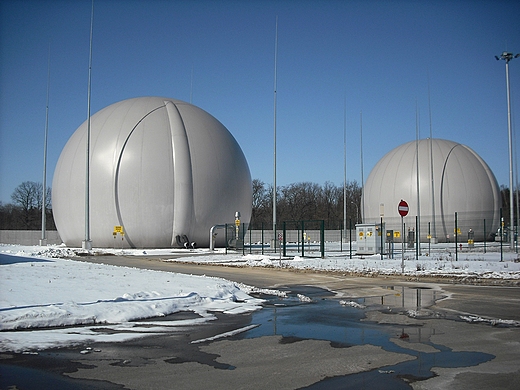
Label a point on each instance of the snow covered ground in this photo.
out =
(53, 296)
(47, 299)
(436, 260)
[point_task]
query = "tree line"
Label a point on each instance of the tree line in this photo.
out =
(25, 211)
(295, 202)
(302, 201)
(305, 201)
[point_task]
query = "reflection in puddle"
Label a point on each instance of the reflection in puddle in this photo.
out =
(326, 319)
(405, 298)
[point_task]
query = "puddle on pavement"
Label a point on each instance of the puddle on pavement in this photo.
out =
(326, 319)
(409, 298)
(36, 379)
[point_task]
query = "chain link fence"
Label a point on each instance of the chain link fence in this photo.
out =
(308, 238)
(482, 226)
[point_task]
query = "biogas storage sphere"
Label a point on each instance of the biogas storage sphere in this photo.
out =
(437, 178)
(163, 170)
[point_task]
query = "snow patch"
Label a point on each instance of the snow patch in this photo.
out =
(352, 304)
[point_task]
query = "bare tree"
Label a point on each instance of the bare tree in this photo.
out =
(305, 201)
(331, 205)
(354, 192)
(299, 201)
(262, 204)
(28, 198)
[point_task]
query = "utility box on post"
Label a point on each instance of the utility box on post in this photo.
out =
(371, 238)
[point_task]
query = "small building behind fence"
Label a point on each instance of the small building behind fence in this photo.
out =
(371, 238)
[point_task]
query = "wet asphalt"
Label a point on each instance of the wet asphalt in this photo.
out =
(319, 345)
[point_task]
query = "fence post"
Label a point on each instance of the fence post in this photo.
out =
(262, 238)
(501, 235)
(429, 240)
(322, 238)
(297, 238)
(243, 239)
(350, 234)
(225, 237)
(341, 228)
(303, 239)
(456, 239)
(284, 238)
(382, 242)
(485, 237)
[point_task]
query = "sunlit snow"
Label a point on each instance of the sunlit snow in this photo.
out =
(48, 300)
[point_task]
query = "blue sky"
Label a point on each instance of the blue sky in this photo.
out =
(374, 57)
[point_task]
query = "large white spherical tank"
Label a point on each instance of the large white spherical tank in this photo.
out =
(452, 179)
(163, 169)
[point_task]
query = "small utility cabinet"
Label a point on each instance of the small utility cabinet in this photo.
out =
(371, 238)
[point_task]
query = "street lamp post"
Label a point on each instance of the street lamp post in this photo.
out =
(506, 56)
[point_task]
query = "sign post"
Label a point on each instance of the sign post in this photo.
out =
(402, 208)
(119, 230)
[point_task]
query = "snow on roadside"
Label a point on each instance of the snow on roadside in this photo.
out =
(42, 292)
(43, 288)
(352, 304)
(226, 334)
(493, 322)
(440, 264)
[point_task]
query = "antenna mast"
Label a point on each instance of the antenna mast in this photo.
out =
(43, 240)
(432, 177)
(345, 164)
(274, 155)
(87, 243)
(362, 176)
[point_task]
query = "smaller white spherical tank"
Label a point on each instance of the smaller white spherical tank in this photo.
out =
(452, 179)
(163, 169)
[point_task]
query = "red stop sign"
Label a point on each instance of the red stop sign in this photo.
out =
(403, 208)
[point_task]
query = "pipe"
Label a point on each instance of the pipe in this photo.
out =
(212, 235)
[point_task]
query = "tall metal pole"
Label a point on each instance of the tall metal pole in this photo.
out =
(87, 243)
(361, 157)
(516, 189)
(432, 177)
(274, 148)
(418, 227)
(510, 137)
(345, 163)
(508, 57)
(43, 240)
